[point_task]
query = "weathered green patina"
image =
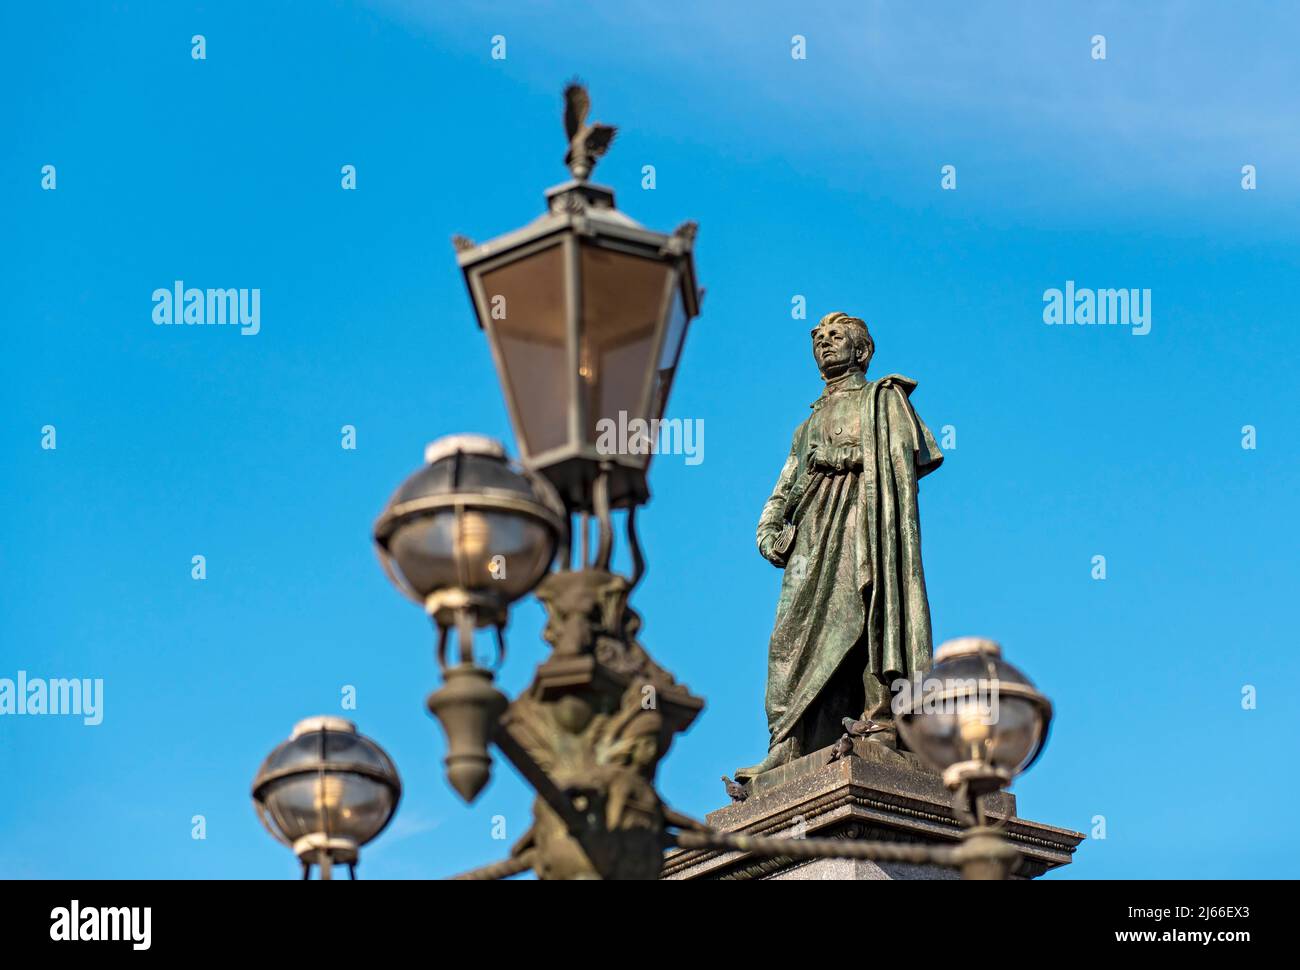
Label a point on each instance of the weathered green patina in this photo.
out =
(844, 524)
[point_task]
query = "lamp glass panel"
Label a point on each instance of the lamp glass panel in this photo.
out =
(343, 746)
(669, 354)
(504, 552)
(934, 736)
(622, 300)
(334, 803)
(527, 318)
(1004, 734)
(361, 807)
(423, 550)
(1018, 734)
(304, 749)
(292, 805)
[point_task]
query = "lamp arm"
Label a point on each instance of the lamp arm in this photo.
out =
(600, 499)
(634, 547)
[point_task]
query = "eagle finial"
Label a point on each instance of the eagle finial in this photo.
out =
(587, 142)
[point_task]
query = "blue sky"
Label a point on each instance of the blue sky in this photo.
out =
(818, 177)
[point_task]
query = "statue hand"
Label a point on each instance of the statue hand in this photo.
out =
(767, 547)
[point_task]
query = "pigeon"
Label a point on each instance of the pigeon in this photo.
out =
(861, 728)
(587, 142)
(843, 747)
(735, 789)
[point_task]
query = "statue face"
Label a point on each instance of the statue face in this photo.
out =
(833, 350)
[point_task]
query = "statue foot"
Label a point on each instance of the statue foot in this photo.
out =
(779, 754)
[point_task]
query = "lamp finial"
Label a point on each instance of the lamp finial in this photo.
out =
(587, 142)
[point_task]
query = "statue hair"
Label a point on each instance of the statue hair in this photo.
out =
(863, 343)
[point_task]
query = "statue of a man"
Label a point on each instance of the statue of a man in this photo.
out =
(843, 523)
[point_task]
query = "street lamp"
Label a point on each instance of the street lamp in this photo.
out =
(586, 312)
(469, 533)
(326, 792)
(465, 537)
(976, 719)
(980, 722)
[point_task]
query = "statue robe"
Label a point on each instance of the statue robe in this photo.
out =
(853, 614)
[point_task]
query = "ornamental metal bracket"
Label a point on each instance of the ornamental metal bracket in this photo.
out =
(588, 734)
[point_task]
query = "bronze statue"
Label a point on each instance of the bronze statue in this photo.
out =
(843, 524)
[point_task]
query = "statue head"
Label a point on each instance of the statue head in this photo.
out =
(841, 343)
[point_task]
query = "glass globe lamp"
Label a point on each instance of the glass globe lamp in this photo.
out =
(326, 791)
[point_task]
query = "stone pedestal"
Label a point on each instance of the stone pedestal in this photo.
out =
(875, 794)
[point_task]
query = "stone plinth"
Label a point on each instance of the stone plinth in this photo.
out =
(875, 794)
